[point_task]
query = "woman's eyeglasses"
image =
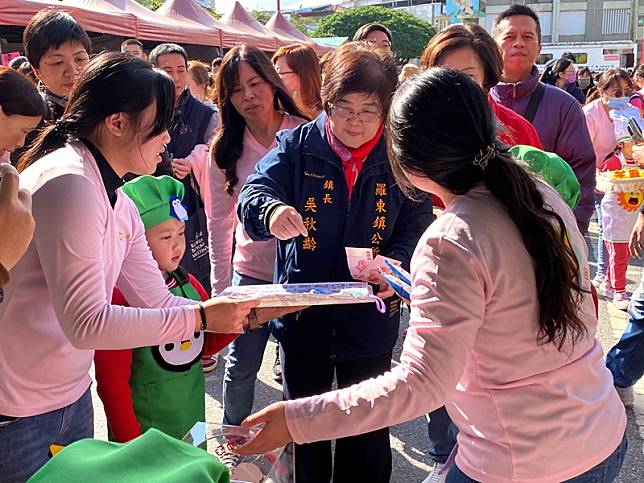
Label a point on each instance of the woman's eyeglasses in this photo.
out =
(619, 93)
(346, 113)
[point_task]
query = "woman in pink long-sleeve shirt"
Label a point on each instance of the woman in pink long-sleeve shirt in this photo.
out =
(254, 105)
(502, 326)
(88, 239)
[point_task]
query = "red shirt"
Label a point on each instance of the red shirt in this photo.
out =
(514, 129)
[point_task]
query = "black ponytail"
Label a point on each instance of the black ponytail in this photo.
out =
(441, 127)
(545, 237)
(51, 137)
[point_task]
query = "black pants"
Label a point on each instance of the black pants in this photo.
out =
(366, 457)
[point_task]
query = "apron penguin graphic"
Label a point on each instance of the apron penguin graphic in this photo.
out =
(167, 381)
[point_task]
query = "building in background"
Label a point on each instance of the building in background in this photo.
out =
(430, 11)
(601, 34)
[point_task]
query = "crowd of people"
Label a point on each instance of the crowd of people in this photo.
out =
(147, 183)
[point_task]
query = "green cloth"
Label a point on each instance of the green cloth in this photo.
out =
(157, 199)
(152, 457)
(552, 169)
(167, 383)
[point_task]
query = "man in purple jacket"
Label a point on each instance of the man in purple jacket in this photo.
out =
(555, 114)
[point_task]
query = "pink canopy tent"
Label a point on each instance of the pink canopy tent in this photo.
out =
(19, 12)
(241, 22)
(187, 10)
(151, 26)
(191, 11)
(279, 24)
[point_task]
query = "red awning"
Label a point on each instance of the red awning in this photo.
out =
(152, 26)
(19, 12)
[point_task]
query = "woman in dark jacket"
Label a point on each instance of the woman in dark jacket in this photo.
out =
(328, 185)
(562, 74)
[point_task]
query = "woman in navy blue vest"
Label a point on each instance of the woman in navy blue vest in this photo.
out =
(328, 185)
(193, 124)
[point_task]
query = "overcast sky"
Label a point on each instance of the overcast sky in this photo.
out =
(223, 6)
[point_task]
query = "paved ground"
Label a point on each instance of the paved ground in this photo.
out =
(409, 440)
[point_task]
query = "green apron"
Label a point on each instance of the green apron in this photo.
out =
(167, 381)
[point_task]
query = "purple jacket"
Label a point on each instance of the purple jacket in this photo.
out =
(562, 129)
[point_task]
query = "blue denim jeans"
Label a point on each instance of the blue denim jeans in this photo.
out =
(626, 359)
(442, 435)
(604, 472)
(245, 356)
(25, 442)
(602, 253)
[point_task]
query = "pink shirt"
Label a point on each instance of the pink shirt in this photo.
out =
(526, 413)
(57, 306)
(252, 258)
(601, 129)
(200, 160)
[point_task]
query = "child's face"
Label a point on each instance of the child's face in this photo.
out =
(168, 243)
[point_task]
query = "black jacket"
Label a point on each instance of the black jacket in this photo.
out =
(304, 172)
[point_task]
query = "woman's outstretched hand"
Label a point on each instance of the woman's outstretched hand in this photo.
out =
(226, 315)
(274, 434)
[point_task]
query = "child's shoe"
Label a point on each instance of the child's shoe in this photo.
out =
(209, 363)
(277, 366)
(607, 289)
(599, 280)
(438, 474)
(621, 300)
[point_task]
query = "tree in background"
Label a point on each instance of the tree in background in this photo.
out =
(260, 16)
(306, 25)
(151, 4)
(211, 11)
(410, 33)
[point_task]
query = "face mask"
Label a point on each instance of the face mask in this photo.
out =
(571, 78)
(584, 83)
(617, 102)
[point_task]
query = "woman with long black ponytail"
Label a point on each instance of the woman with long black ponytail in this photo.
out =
(502, 325)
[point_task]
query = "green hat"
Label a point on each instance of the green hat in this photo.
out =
(552, 169)
(157, 199)
(153, 456)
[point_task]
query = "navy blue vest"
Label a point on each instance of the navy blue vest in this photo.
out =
(189, 126)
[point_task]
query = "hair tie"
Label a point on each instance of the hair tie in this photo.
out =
(485, 154)
(59, 128)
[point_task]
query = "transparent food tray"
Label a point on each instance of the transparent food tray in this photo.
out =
(221, 440)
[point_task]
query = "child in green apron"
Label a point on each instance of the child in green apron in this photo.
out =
(163, 386)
